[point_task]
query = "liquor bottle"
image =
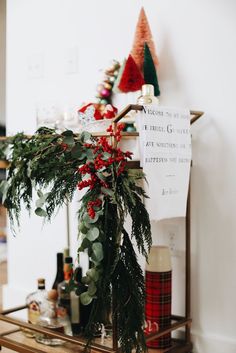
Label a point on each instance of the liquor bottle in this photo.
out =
(35, 302)
(75, 305)
(60, 274)
(147, 95)
(48, 319)
(64, 302)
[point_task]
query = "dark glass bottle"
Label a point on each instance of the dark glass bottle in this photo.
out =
(60, 274)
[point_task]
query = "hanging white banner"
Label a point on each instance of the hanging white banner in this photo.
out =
(165, 151)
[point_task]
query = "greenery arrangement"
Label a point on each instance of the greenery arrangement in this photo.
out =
(55, 165)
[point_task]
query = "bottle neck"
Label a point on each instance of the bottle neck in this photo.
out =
(147, 90)
(68, 271)
(147, 96)
(78, 274)
(41, 284)
(59, 262)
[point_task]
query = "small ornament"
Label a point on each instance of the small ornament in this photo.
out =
(112, 79)
(108, 86)
(104, 101)
(98, 100)
(129, 127)
(105, 93)
(100, 87)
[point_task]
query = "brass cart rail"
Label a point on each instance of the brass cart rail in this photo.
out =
(76, 344)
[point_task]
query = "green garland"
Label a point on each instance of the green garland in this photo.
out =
(55, 165)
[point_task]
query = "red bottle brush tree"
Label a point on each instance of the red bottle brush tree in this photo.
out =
(132, 79)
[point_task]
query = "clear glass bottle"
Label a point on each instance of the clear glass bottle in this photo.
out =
(35, 302)
(48, 319)
(64, 300)
(147, 95)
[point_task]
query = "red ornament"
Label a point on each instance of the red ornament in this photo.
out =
(105, 93)
(132, 79)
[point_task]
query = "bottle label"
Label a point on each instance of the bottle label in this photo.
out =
(33, 312)
(75, 308)
(68, 271)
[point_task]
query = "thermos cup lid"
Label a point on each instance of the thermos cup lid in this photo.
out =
(159, 259)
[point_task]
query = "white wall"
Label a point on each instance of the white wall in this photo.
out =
(2, 59)
(195, 41)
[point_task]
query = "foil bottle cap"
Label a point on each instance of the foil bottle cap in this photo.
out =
(41, 283)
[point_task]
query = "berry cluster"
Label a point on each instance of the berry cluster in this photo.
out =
(64, 146)
(107, 160)
(85, 169)
(91, 205)
(92, 182)
(117, 134)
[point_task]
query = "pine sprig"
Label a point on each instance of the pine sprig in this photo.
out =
(133, 204)
(129, 296)
(39, 162)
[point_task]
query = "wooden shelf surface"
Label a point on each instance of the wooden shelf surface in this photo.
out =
(3, 164)
(20, 343)
(26, 344)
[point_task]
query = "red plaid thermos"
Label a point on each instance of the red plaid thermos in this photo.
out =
(158, 277)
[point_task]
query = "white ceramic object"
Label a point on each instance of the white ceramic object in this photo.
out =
(159, 259)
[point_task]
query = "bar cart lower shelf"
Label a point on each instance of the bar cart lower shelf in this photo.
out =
(13, 338)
